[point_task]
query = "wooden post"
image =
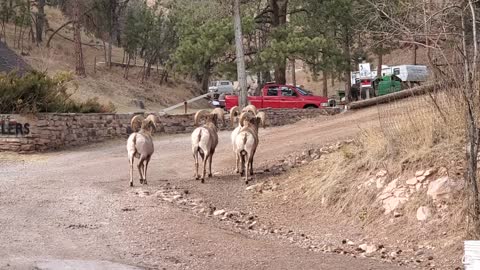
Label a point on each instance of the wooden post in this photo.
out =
(185, 105)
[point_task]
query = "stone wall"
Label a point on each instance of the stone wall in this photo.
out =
(44, 132)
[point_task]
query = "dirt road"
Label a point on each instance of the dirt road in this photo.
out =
(77, 205)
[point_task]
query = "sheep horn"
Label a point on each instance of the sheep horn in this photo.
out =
(244, 116)
(198, 115)
(250, 108)
(219, 113)
(263, 117)
(136, 123)
(234, 112)
(151, 119)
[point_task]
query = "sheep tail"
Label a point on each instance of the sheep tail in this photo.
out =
(243, 152)
(134, 139)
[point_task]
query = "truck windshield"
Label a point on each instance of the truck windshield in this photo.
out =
(303, 92)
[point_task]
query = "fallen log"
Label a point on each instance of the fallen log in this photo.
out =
(415, 91)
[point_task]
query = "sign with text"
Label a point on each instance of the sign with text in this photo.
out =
(364, 69)
(9, 126)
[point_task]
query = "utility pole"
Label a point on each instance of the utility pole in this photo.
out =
(241, 73)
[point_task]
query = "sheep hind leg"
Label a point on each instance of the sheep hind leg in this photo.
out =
(131, 161)
(210, 165)
(237, 160)
(195, 157)
(247, 163)
(205, 167)
(251, 166)
(140, 167)
(241, 159)
(147, 160)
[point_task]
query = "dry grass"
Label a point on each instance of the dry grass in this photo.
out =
(107, 85)
(413, 135)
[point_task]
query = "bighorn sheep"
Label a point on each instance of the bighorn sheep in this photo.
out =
(234, 112)
(247, 140)
(250, 108)
(205, 139)
(140, 145)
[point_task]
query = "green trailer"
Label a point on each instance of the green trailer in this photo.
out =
(387, 85)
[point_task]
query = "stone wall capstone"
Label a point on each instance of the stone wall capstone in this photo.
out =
(53, 131)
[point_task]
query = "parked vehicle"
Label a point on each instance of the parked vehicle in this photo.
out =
(411, 74)
(366, 86)
(388, 84)
(218, 87)
(281, 96)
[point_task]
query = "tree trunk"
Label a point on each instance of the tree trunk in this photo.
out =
(31, 33)
(105, 52)
(127, 68)
(15, 36)
(325, 84)
(333, 80)
(109, 52)
(380, 63)
(279, 19)
(471, 95)
(294, 75)
(348, 59)
(414, 60)
(40, 20)
(280, 71)
(241, 73)
(10, 7)
(206, 76)
(79, 65)
(411, 92)
(143, 69)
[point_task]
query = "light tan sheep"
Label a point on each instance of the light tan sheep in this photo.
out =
(140, 145)
(205, 140)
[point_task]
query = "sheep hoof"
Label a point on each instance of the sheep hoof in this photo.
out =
(210, 175)
(145, 181)
(197, 178)
(246, 182)
(141, 181)
(203, 180)
(131, 184)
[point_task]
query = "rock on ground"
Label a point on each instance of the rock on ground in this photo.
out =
(423, 213)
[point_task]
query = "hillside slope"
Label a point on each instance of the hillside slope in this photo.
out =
(106, 84)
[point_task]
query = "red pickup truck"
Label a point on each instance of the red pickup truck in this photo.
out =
(281, 96)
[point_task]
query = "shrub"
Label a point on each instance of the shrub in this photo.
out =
(35, 92)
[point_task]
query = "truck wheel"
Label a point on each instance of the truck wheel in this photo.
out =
(310, 107)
